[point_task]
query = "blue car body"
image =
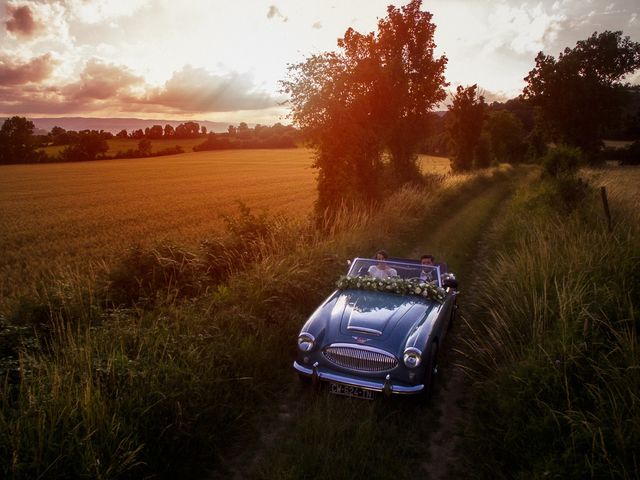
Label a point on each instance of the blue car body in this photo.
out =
(379, 335)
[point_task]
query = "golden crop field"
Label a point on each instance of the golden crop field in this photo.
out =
(617, 143)
(622, 184)
(67, 214)
(431, 164)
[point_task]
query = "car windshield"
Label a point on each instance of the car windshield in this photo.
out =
(402, 268)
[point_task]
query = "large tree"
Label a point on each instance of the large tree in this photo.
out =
(582, 91)
(506, 136)
(17, 144)
(464, 127)
(371, 96)
(413, 82)
(89, 145)
(155, 132)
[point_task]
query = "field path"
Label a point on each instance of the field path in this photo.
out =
(300, 422)
(443, 458)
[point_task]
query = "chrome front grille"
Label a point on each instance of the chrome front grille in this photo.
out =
(363, 359)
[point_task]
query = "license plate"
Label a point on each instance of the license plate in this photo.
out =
(351, 391)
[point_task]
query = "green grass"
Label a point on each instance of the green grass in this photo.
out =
(123, 144)
(168, 384)
(554, 358)
(338, 438)
(183, 374)
(342, 438)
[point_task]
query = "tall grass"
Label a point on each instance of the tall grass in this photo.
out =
(329, 438)
(335, 438)
(162, 380)
(555, 356)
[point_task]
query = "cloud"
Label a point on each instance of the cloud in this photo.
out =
(21, 21)
(584, 18)
(100, 86)
(196, 90)
(36, 70)
(47, 31)
(489, 96)
(103, 87)
(497, 96)
(100, 11)
(274, 12)
(101, 81)
(33, 99)
(522, 29)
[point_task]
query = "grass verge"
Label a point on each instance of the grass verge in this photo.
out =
(554, 360)
(173, 379)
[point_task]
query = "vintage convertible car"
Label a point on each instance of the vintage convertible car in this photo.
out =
(379, 335)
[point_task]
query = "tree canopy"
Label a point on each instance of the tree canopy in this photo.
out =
(464, 125)
(17, 143)
(373, 95)
(506, 136)
(581, 91)
(89, 146)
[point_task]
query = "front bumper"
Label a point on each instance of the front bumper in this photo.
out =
(386, 386)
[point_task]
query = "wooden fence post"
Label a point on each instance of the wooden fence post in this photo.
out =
(605, 204)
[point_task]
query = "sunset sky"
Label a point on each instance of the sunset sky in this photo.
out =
(221, 60)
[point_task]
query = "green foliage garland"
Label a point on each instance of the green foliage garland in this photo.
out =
(400, 286)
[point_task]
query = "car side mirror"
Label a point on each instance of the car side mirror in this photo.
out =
(449, 281)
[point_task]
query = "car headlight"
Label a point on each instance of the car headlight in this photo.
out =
(412, 357)
(306, 342)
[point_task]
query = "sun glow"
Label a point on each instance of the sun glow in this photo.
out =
(225, 59)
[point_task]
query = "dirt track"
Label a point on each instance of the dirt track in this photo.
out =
(444, 461)
(440, 424)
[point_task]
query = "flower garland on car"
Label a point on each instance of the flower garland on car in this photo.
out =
(401, 286)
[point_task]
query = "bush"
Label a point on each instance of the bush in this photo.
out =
(145, 276)
(247, 239)
(89, 146)
(561, 160)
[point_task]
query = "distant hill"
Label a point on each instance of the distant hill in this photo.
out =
(114, 125)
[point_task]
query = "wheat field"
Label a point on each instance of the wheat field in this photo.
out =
(73, 213)
(622, 184)
(65, 213)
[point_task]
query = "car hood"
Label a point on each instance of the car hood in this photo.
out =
(378, 315)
